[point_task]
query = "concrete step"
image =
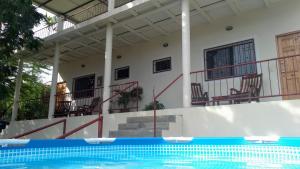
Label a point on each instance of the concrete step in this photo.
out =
(168, 118)
(134, 133)
(144, 125)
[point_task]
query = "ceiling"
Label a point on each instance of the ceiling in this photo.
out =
(74, 10)
(138, 24)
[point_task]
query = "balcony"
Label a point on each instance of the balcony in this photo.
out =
(80, 14)
(84, 102)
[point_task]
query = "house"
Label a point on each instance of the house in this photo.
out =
(103, 48)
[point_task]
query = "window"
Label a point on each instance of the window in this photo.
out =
(122, 73)
(227, 61)
(84, 86)
(162, 65)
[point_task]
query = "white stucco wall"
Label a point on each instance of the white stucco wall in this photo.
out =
(262, 25)
(274, 118)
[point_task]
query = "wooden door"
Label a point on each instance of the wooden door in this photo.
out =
(289, 64)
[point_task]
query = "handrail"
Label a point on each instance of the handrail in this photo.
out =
(99, 118)
(97, 88)
(64, 121)
(260, 62)
(155, 97)
(81, 127)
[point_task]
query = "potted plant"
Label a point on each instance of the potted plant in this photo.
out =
(150, 106)
(127, 96)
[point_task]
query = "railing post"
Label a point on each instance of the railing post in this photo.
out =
(100, 126)
(111, 5)
(65, 126)
(154, 114)
(137, 96)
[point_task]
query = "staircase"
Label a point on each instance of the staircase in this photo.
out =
(143, 126)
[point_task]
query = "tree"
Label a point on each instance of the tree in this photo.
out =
(17, 19)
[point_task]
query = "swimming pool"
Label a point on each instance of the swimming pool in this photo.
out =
(151, 153)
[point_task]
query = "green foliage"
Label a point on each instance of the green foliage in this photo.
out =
(150, 106)
(17, 19)
(127, 96)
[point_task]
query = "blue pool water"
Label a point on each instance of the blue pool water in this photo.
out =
(151, 153)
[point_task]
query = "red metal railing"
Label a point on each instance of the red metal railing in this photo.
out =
(155, 97)
(64, 121)
(82, 98)
(99, 119)
(279, 79)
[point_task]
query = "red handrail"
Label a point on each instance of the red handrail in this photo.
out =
(99, 119)
(64, 121)
(155, 97)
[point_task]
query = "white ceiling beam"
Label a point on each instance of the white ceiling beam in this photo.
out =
(88, 46)
(136, 33)
(202, 11)
(235, 6)
(133, 12)
(158, 29)
(75, 51)
(123, 40)
(149, 22)
(163, 8)
(267, 3)
(173, 17)
(90, 38)
(156, 3)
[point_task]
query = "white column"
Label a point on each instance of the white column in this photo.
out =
(107, 67)
(54, 81)
(186, 53)
(55, 72)
(17, 91)
(111, 5)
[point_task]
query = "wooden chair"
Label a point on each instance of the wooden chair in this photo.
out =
(198, 96)
(62, 108)
(249, 89)
(88, 109)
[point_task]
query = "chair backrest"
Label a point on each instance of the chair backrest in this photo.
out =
(62, 106)
(196, 90)
(94, 103)
(248, 81)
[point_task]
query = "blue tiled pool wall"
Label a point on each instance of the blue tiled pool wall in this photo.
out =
(284, 151)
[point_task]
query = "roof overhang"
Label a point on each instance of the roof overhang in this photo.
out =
(141, 21)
